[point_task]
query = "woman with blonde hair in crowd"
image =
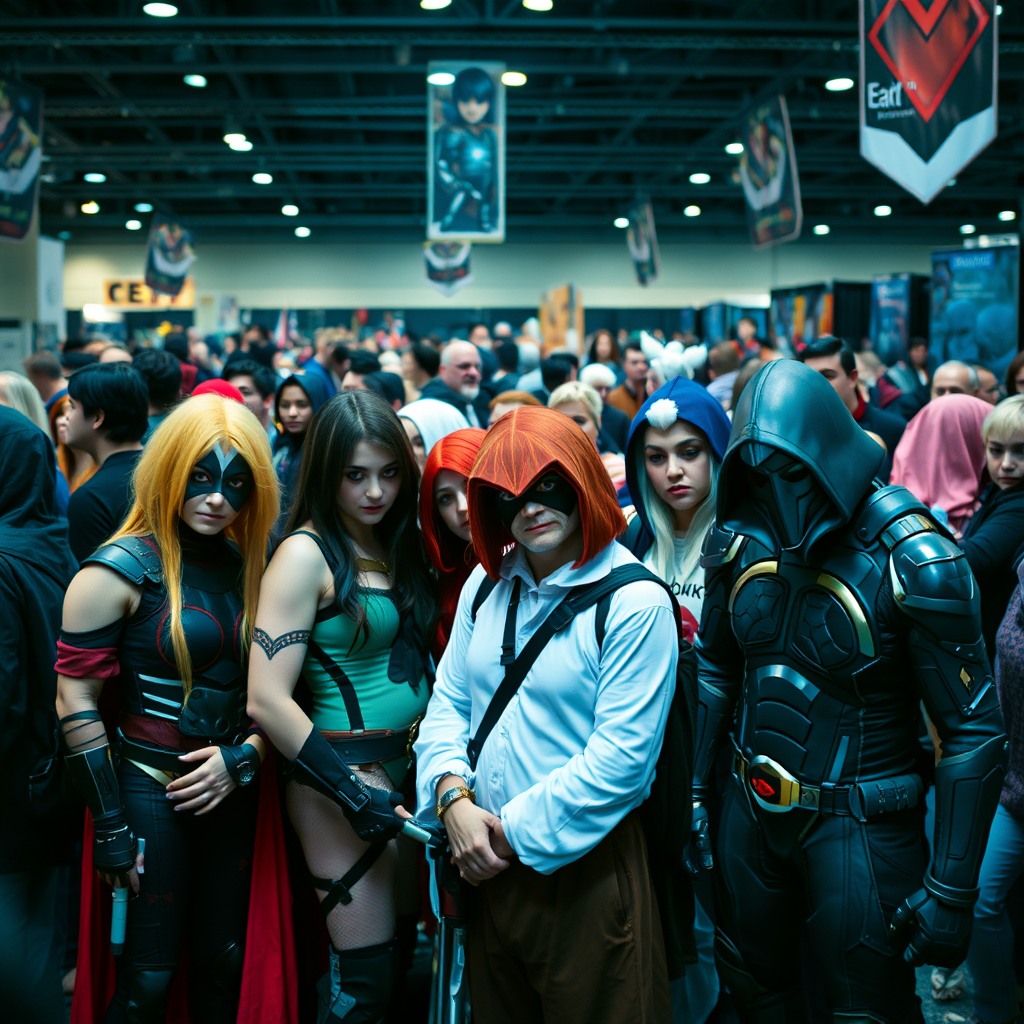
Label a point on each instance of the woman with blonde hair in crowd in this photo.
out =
(580, 402)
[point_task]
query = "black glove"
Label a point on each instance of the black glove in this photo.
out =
(114, 846)
(697, 854)
(241, 762)
(933, 932)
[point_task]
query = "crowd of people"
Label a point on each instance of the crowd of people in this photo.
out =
(643, 667)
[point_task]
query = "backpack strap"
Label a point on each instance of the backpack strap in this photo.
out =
(481, 595)
(636, 540)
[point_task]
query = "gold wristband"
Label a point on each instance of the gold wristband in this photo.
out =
(449, 796)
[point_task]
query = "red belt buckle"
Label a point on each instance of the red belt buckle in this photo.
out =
(771, 785)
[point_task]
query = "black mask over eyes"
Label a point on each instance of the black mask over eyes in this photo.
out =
(551, 490)
(225, 473)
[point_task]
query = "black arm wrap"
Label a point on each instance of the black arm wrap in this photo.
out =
(114, 846)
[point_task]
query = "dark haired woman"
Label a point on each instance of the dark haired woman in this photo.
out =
(297, 401)
(348, 603)
(604, 350)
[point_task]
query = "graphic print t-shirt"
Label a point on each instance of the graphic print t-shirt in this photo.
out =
(689, 592)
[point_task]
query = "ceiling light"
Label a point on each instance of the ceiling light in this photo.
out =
(999, 9)
(242, 145)
(699, 178)
(434, 5)
(196, 81)
(441, 78)
(160, 10)
(1007, 214)
(821, 229)
(95, 178)
(143, 207)
(301, 232)
(883, 211)
(538, 5)
(734, 148)
(133, 225)
(262, 178)
(232, 137)
(621, 222)
(839, 84)
(692, 211)
(91, 207)
(514, 78)
(967, 229)
(290, 210)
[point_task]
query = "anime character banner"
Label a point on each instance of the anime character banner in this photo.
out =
(465, 152)
(928, 87)
(169, 255)
(975, 312)
(21, 155)
(642, 240)
(447, 265)
(771, 185)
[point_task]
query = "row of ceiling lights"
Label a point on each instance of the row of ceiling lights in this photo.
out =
(161, 10)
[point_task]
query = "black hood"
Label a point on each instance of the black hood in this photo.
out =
(792, 409)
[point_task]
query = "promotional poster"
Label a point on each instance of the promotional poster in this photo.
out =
(799, 315)
(21, 155)
(447, 265)
(561, 319)
(768, 173)
(642, 240)
(465, 152)
(975, 296)
(169, 255)
(927, 88)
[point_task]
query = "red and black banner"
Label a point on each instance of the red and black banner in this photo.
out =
(21, 155)
(928, 88)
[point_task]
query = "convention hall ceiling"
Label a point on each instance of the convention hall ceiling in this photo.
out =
(621, 96)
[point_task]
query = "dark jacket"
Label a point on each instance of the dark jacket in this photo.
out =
(98, 507)
(287, 449)
(889, 427)
(990, 542)
(437, 388)
(615, 423)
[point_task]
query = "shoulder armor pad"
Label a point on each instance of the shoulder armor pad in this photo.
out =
(720, 546)
(135, 558)
(930, 573)
(892, 514)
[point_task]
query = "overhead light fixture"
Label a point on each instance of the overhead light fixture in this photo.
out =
(967, 229)
(240, 147)
(621, 222)
(232, 137)
(734, 148)
(91, 207)
(538, 5)
(95, 178)
(999, 9)
(692, 211)
(133, 225)
(160, 10)
(301, 232)
(699, 178)
(262, 178)
(839, 84)
(883, 210)
(290, 210)
(821, 229)
(434, 5)
(143, 207)
(514, 78)
(441, 78)
(196, 81)
(1007, 214)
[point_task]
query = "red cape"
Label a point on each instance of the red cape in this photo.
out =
(270, 987)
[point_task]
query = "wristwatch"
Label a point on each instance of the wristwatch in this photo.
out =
(449, 796)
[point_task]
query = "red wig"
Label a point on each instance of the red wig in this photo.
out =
(522, 446)
(453, 558)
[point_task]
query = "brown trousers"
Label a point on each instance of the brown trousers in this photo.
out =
(580, 946)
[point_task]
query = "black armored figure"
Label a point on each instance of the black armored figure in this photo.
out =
(833, 607)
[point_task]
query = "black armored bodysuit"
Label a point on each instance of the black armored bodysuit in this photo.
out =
(833, 608)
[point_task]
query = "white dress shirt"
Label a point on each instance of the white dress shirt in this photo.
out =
(575, 749)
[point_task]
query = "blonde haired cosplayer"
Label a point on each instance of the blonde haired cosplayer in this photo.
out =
(159, 483)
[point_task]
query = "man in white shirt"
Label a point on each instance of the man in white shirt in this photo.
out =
(563, 926)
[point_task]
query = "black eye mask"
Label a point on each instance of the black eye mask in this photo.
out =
(229, 475)
(551, 490)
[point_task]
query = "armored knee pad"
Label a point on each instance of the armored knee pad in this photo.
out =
(357, 987)
(755, 1004)
(148, 990)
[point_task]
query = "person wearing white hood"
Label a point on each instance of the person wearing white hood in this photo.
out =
(426, 421)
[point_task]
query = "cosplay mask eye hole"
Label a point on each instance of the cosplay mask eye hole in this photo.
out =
(549, 483)
(505, 496)
(200, 476)
(795, 474)
(238, 481)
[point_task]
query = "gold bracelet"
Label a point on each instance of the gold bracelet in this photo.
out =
(449, 796)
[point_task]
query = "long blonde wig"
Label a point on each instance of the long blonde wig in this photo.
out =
(159, 483)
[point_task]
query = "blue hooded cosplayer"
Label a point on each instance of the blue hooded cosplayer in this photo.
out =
(288, 449)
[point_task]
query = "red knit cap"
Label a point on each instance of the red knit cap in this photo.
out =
(219, 387)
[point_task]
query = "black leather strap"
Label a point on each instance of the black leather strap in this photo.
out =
(365, 749)
(483, 592)
(339, 890)
(342, 681)
(508, 641)
(162, 760)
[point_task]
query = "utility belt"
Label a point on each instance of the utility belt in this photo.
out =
(365, 746)
(161, 765)
(778, 791)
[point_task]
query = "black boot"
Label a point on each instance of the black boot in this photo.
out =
(357, 986)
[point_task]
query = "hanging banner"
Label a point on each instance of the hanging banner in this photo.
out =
(561, 319)
(769, 176)
(21, 155)
(642, 240)
(447, 265)
(465, 151)
(169, 255)
(133, 293)
(928, 87)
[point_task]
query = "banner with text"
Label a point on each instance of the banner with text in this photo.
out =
(928, 88)
(447, 265)
(21, 155)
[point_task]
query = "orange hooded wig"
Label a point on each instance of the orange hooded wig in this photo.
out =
(522, 446)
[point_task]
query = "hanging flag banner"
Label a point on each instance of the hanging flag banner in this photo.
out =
(169, 255)
(447, 265)
(927, 88)
(642, 240)
(465, 151)
(771, 184)
(21, 155)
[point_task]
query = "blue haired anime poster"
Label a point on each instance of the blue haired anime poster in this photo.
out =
(465, 152)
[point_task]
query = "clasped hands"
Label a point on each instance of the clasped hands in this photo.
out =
(479, 847)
